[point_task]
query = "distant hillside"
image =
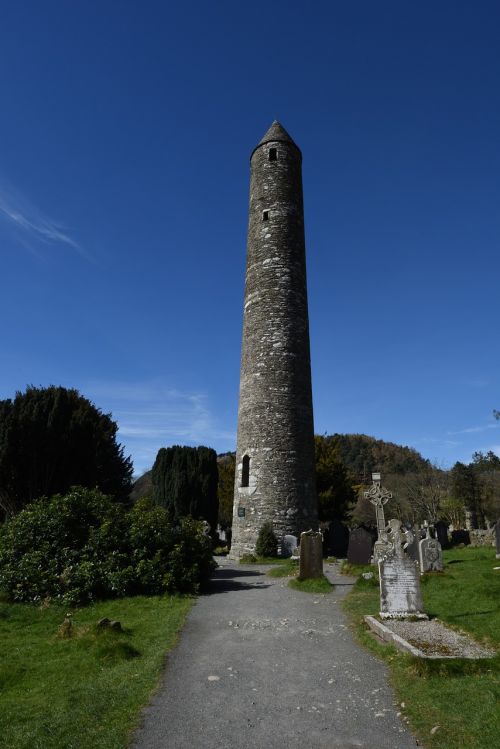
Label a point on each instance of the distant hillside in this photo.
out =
(362, 454)
(143, 487)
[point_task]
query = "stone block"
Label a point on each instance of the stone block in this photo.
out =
(311, 555)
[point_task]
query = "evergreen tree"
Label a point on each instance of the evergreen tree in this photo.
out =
(227, 466)
(185, 482)
(467, 488)
(267, 543)
(53, 438)
(333, 482)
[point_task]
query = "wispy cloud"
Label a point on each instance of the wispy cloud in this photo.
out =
(31, 225)
(478, 429)
(476, 382)
(151, 415)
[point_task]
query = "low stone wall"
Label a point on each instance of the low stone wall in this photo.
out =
(482, 538)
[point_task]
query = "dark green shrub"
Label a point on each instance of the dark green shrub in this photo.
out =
(83, 547)
(267, 543)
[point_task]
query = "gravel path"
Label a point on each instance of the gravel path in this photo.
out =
(260, 665)
(436, 639)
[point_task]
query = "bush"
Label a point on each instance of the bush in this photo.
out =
(267, 543)
(83, 546)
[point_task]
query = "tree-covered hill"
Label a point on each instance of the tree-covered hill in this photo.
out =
(362, 454)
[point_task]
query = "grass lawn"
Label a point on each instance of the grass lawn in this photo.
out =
(288, 568)
(83, 692)
(461, 697)
(311, 585)
(252, 559)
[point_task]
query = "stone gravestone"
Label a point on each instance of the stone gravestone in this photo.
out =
(289, 546)
(442, 533)
(339, 540)
(400, 594)
(460, 536)
(412, 547)
(497, 537)
(311, 555)
(430, 555)
(381, 546)
(360, 546)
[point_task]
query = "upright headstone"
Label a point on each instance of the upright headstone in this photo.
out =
(311, 555)
(460, 536)
(412, 548)
(339, 540)
(289, 546)
(497, 538)
(381, 546)
(400, 594)
(360, 546)
(442, 533)
(430, 555)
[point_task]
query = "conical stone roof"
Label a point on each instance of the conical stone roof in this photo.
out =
(276, 133)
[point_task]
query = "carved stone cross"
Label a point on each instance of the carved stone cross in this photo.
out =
(378, 496)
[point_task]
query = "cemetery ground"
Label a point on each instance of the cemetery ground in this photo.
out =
(83, 691)
(449, 704)
(257, 664)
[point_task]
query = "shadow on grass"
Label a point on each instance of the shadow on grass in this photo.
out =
(472, 613)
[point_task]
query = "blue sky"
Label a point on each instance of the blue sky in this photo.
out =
(125, 135)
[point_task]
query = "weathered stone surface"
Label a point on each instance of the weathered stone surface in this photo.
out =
(275, 469)
(430, 555)
(400, 594)
(360, 546)
(481, 537)
(382, 547)
(289, 546)
(311, 555)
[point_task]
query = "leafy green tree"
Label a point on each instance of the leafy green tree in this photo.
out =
(487, 469)
(333, 482)
(53, 438)
(466, 487)
(185, 482)
(227, 468)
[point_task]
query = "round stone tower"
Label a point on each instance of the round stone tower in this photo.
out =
(275, 476)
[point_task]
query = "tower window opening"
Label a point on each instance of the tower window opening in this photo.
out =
(273, 154)
(245, 471)
(265, 215)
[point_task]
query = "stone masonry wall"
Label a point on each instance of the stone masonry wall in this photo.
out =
(275, 420)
